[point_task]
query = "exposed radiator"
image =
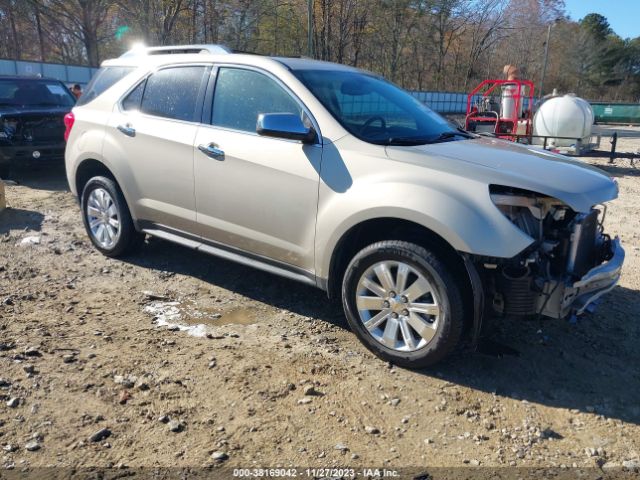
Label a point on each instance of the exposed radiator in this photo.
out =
(582, 251)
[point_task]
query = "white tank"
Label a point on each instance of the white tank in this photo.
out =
(566, 116)
(508, 101)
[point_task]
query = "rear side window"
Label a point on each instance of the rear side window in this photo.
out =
(241, 95)
(173, 92)
(101, 81)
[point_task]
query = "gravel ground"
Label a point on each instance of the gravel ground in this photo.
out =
(170, 358)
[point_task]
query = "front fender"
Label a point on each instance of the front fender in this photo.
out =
(457, 209)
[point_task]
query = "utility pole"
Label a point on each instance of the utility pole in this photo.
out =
(310, 27)
(546, 58)
(275, 30)
(546, 55)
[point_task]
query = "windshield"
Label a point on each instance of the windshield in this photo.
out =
(377, 111)
(34, 93)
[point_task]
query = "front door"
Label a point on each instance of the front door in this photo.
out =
(254, 193)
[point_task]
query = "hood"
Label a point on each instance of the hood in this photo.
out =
(500, 162)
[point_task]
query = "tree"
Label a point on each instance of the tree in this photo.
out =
(420, 44)
(155, 20)
(486, 32)
(449, 23)
(80, 19)
(10, 9)
(596, 25)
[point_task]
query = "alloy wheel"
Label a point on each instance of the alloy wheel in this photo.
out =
(398, 306)
(103, 218)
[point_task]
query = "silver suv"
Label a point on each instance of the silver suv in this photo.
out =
(334, 177)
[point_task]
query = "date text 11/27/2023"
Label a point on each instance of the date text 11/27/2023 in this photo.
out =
(315, 473)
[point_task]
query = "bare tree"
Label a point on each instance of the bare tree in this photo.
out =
(155, 20)
(8, 13)
(421, 44)
(80, 19)
(40, 31)
(448, 24)
(485, 32)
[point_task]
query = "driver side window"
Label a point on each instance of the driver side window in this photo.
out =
(241, 95)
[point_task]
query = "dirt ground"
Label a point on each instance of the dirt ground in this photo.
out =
(170, 358)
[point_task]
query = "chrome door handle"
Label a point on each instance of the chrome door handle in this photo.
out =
(212, 151)
(128, 130)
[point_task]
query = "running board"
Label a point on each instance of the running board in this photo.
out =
(235, 256)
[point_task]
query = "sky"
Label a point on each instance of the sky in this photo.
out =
(623, 15)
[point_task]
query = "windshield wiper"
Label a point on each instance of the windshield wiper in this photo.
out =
(413, 141)
(406, 141)
(466, 133)
(458, 133)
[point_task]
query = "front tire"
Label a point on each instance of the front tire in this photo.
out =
(107, 218)
(403, 303)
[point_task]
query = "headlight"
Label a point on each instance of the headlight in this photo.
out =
(526, 209)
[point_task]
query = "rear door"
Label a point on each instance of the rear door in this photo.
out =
(151, 134)
(258, 194)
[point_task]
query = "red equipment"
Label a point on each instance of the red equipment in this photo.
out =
(502, 111)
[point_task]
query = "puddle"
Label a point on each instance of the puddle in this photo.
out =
(196, 321)
(240, 316)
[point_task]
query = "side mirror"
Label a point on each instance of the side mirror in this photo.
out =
(284, 125)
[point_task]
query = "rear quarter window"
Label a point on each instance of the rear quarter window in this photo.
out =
(104, 79)
(132, 101)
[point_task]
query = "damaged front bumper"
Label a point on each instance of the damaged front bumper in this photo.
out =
(35, 151)
(560, 298)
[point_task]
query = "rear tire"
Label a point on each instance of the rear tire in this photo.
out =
(403, 303)
(107, 218)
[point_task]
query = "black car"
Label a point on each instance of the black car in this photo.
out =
(32, 114)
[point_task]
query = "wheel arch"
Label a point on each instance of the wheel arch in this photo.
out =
(91, 167)
(88, 169)
(374, 230)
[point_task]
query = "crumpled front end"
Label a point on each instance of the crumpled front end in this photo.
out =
(571, 263)
(31, 135)
(567, 296)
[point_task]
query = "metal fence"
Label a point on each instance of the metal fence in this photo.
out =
(449, 103)
(442, 102)
(69, 74)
